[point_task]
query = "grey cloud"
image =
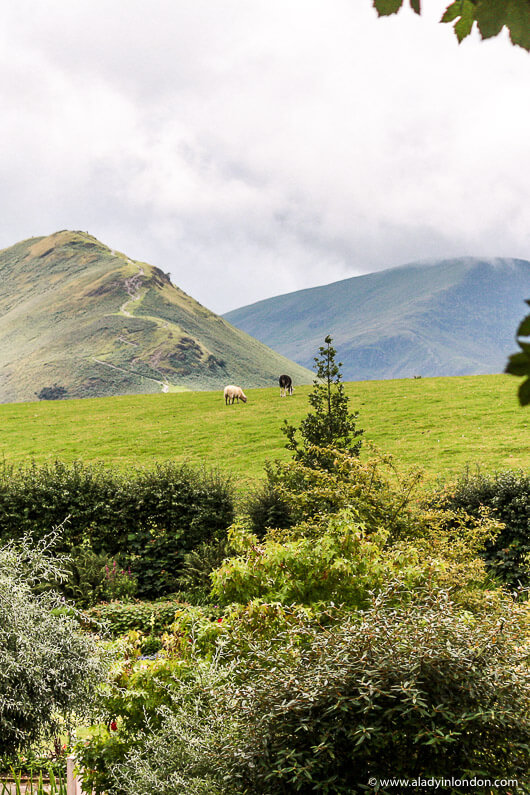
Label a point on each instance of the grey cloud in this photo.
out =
(251, 147)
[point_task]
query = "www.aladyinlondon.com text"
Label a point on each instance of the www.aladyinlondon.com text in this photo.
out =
(441, 782)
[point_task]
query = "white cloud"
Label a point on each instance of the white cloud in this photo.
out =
(252, 147)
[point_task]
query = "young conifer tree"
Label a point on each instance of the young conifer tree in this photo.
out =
(330, 424)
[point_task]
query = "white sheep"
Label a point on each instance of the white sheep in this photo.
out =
(234, 393)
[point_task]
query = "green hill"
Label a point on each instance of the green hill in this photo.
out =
(452, 317)
(77, 314)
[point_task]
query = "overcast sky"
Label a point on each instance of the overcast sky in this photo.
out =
(254, 147)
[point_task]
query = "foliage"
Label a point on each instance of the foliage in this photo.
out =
(141, 693)
(507, 495)
(392, 691)
(373, 488)
(52, 785)
(490, 15)
(166, 740)
(194, 580)
(338, 563)
(331, 424)
(49, 669)
(266, 508)
(90, 579)
(519, 363)
(54, 392)
(322, 706)
(118, 618)
(147, 518)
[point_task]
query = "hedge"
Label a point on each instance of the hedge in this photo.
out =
(147, 518)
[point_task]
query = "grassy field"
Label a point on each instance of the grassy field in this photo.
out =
(440, 424)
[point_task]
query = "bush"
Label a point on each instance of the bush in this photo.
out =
(92, 578)
(339, 562)
(507, 495)
(54, 392)
(194, 581)
(48, 668)
(141, 756)
(372, 489)
(148, 518)
(396, 691)
(118, 618)
(266, 509)
(408, 691)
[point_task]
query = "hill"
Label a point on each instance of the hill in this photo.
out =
(77, 314)
(442, 424)
(446, 318)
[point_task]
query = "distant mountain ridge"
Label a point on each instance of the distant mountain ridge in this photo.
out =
(442, 318)
(75, 313)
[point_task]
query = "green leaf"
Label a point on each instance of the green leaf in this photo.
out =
(518, 364)
(452, 12)
(524, 327)
(416, 6)
(491, 17)
(518, 22)
(524, 392)
(465, 24)
(386, 7)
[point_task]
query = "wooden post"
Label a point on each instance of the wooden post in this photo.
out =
(73, 785)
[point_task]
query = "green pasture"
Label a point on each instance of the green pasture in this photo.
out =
(440, 424)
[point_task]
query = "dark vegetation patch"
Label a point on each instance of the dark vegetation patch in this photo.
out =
(146, 519)
(506, 495)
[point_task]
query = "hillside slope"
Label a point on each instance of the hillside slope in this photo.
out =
(452, 317)
(76, 313)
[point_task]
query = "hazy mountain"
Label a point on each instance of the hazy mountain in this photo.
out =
(451, 317)
(77, 314)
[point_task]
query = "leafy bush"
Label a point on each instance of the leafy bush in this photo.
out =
(150, 518)
(139, 755)
(48, 668)
(372, 489)
(90, 579)
(118, 618)
(338, 562)
(403, 691)
(423, 689)
(194, 580)
(266, 509)
(507, 495)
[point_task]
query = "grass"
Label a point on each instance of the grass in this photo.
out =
(440, 424)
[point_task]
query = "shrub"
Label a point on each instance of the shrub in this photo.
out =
(338, 562)
(194, 580)
(90, 579)
(118, 618)
(507, 495)
(48, 668)
(420, 690)
(150, 517)
(266, 508)
(54, 392)
(372, 489)
(406, 691)
(143, 755)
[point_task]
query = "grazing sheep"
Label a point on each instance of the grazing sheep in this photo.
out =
(286, 385)
(234, 393)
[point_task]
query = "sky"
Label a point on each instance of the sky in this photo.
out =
(255, 147)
